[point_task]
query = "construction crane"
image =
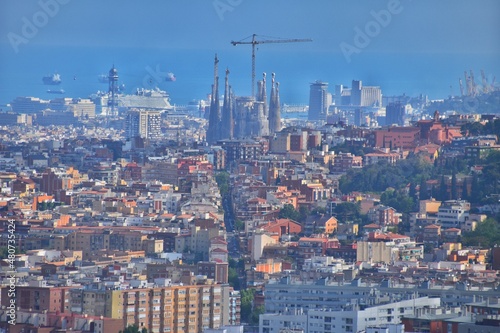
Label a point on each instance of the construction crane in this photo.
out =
(461, 87)
(473, 83)
(255, 42)
(469, 85)
(486, 86)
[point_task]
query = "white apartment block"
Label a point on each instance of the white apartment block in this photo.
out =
(352, 318)
(453, 214)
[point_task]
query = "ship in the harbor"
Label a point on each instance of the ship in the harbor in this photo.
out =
(170, 77)
(56, 91)
(53, 79)
(151, 99)
(103, 78)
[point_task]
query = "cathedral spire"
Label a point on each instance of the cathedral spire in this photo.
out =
(274, 107)
(226, 131)
(214, 117)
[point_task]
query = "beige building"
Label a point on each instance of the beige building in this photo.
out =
(259, 241)
(376, 252)
(430, 206)
(90, 242)
(82, 108)
(280, 143)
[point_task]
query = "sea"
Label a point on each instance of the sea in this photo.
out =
(433, 74)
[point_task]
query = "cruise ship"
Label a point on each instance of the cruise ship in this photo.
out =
(53, 79)
(103, 78)
(56, 91)
(150, 99)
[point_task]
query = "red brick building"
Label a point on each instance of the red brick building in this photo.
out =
(53, 299)
(282, 227)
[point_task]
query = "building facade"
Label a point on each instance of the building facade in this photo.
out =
(143, 123)
(318, 100)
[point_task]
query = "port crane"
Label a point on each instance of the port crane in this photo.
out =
(461, 87)
(472, 88)
(254, 42)
(484, 82)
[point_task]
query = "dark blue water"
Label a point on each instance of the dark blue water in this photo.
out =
(432, 74)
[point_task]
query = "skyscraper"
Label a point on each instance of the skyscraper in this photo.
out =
(318, 101)
(143, 123)
(394, 114)
(356, 87)
(365, 96)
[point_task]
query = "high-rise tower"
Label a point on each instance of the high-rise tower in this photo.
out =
(318, 101)
(113, 90)
(365, 95)
(395, 114)
(143, 123)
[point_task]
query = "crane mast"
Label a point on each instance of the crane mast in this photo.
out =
(484, 82)
(461, 87)
(255, 42)
(473, 83)
(468, 83)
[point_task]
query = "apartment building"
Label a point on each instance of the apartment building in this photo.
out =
(453, 214)
(175, 308)
(39, 298)
(285, 294)
(91, 241)
(351, 319)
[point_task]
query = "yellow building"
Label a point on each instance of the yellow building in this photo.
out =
(189, 308)
(429, 206)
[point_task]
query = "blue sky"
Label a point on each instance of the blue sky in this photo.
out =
(445, 26)
(423, 46)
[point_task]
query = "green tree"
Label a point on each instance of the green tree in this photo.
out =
(491, 172)
(247, 296)
(378, 177)
(473, 129)
(318, 210)
(347, 211)
(4, 252)
(486, 234)
(239, 225)
(303, 213)
(397, 200)
(233, 278)
(443, 190)
(454, 186)
(428, 248)
(254, 318)
(475, 193)
(423, 192)
(289, 212)
(465, 192)
(222, 178)
(413, 192)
